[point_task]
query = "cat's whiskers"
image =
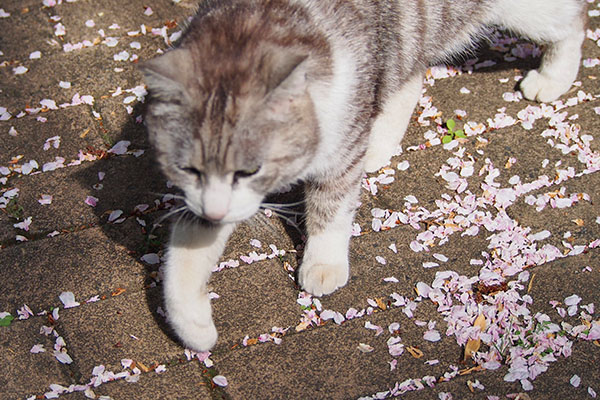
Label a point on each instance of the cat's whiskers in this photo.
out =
(264, 221)
(179, 210)
(284, 208)
(280, 213)
(294, 204)
(284, 211)
(173, 195)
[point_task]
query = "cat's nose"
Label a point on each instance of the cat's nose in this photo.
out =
(216, 198)
(215, 215)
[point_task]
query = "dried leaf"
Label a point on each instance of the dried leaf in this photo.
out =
(302, 326)
(142, 367)
(470, 370)
(473, 344)
(118, 292)
(480, 322)
(416, 353)
(578, 221)
(381, 304)
(530, 283)
(470, 385)
(471, 347)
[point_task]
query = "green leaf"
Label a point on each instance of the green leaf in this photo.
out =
(13, 209)
(451, 124)
(446, 139)
(460, 133)
(6, 320)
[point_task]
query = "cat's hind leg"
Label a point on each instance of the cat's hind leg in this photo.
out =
(390, 125)
(560, 24)
(193, 251)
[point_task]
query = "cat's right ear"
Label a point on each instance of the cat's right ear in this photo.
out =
(169, 73)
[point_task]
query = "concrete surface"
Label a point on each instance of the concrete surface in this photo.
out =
(275, 341)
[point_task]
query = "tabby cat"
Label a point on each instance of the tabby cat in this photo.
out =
(262, 94)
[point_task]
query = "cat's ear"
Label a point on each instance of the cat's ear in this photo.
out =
(168, 73)
(286, 71)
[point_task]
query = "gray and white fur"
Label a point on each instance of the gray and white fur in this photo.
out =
(262, 94)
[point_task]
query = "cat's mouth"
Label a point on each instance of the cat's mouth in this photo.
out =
(207, 223)
(200, 218)
(193, 217)
(230, 213)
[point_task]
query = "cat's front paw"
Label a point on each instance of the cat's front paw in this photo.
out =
(193, 324)
(375, 159)
(198, 337)
(543, 88)
(320, 279)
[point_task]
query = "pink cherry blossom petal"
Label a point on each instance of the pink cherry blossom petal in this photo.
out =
(68, 299)
(45, 199)
(150, 258)
(63, 357)
(432, 335)
(120, 148)
(220, 380)
(37, 348)
(91, 201)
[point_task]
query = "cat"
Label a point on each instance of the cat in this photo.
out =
(261, 94)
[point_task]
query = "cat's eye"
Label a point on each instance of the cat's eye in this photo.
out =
(245, 173)
(193, 171)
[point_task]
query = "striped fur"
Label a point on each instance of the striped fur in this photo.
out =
(261, 94)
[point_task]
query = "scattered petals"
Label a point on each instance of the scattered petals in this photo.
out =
(120, 148)
(432, 336)
(91, 201)
(68, 299)
(380, 260)
(20, 70)
(220, 380)
(150, 258)
(365, 348)
(37, 348)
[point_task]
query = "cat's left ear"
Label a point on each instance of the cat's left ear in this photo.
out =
(286, 72)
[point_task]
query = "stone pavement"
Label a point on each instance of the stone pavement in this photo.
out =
(499, 230)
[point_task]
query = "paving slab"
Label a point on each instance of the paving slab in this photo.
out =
(24, 373)
(177, 382)
(252, 300)
(70, 188)
(86, 263)
(124, 326)
(75, 126)
(324, 361)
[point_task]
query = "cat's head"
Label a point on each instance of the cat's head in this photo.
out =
(230, 129)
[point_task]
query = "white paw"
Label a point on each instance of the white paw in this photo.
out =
(193, 324)
(375, 160)
(198, 337)
(543, 88)
(321, 279)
